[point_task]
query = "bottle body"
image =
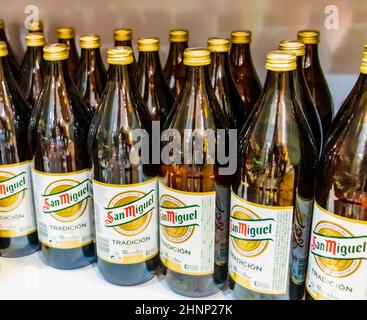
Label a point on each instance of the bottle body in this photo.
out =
(73, 60)
(13, 62)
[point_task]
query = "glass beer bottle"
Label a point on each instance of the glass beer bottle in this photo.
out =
(92, 76)
(66, 35)
(62, 170)
(32, 67)
(35, 26)
(272, 193)
(123, 37)
(125, 187)
(13, 62)
(243, 70)
(194, 195)
(18, 234)
(337, 265)
(223, 84)
(175, 70)
(315, 78)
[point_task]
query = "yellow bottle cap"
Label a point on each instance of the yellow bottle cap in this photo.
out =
(148, 44)
(90, 41)
(179, 35)
(3, 49)
(294, 46)
(66, 33)
(123, 34)
(35, 26)
(35, 39)
(216, 44)
(196, 57)
(2, 24)
(241, 36)
(365, 48)
(363, 67)
(281, 61)
(309, 36)
(120, 55)
(55, 52)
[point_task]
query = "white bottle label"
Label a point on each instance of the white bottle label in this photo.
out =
(64, 208)
(259, 246)
(337, 266)
(126, 221)
(16, 202)
(187, 230)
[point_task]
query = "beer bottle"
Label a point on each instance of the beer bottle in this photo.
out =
(62, 170)
(175, 70)
(338, 249)
(35, 26)
(13, 63)
(152, 85)
(303, 95)
(243, 70)
(194, 195)
(272, 193)
(125, 188)
(315, 78)
(92, 74)
(32, 67)
(123, 37)
(18, 235)
(223, 83)
(66, 35)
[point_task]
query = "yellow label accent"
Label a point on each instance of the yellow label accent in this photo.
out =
(188, 192)
(124, 185)
(61, 174)
(130, 259)
(14, 234)
(67, 244)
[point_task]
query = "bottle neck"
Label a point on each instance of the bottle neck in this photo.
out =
(124, 43)
(57, 75)
(91, 58)
(279, 84)
(176, 51)
(240, 54)
(197, 80)
(149, 63)
(311, 57)
(220, 63)
(121, 75)
(5, 72)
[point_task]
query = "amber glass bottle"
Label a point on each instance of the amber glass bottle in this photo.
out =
(303, 95)
(32, 68)
(35, 26)
(123, 37)
(175, 70)
(243, 70)
(62, 170)
(223, 84)
(13, 62)
(194, 196)
(315, 78)
(125, 190)
(338, 249)
(66, 35)
(152, 84)
(272, 193)
(18, 235)
(92, 74)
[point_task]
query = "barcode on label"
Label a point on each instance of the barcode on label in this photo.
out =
(42, 230)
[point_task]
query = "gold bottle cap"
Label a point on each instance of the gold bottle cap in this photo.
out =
(90, 41)
(196, 57)
(120, 55)
(123, 34)
(281, 61)
(66, 33)
(35, 26)
(35, 39)
(363, 67)
(217, 44)
(55, 52)
(309, 36)
(148, 44)
(294, 46)
(3, 49)
(241, 36)
(2, 24)
(179, 35)
(365, 48)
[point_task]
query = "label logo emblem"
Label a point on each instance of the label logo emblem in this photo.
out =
(12, 190)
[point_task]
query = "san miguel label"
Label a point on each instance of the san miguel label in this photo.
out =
(126, 221)
(16, 202)
(187, 230)
(338, 252)
(64, 208)
(259, 246)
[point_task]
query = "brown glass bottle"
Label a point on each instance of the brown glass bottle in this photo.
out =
(32, 67)
(303, 95)
(175, 70)
(92, 74)
(62, 170)
(18, 235)
(194, 250)
(35, 26)
(272, 193)
(67, 36)
(13, 62)
(337, 264)
(119, 181)
(315, 78)
(243, 70)
(123, 37)
(152, 84)
(223, 84)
